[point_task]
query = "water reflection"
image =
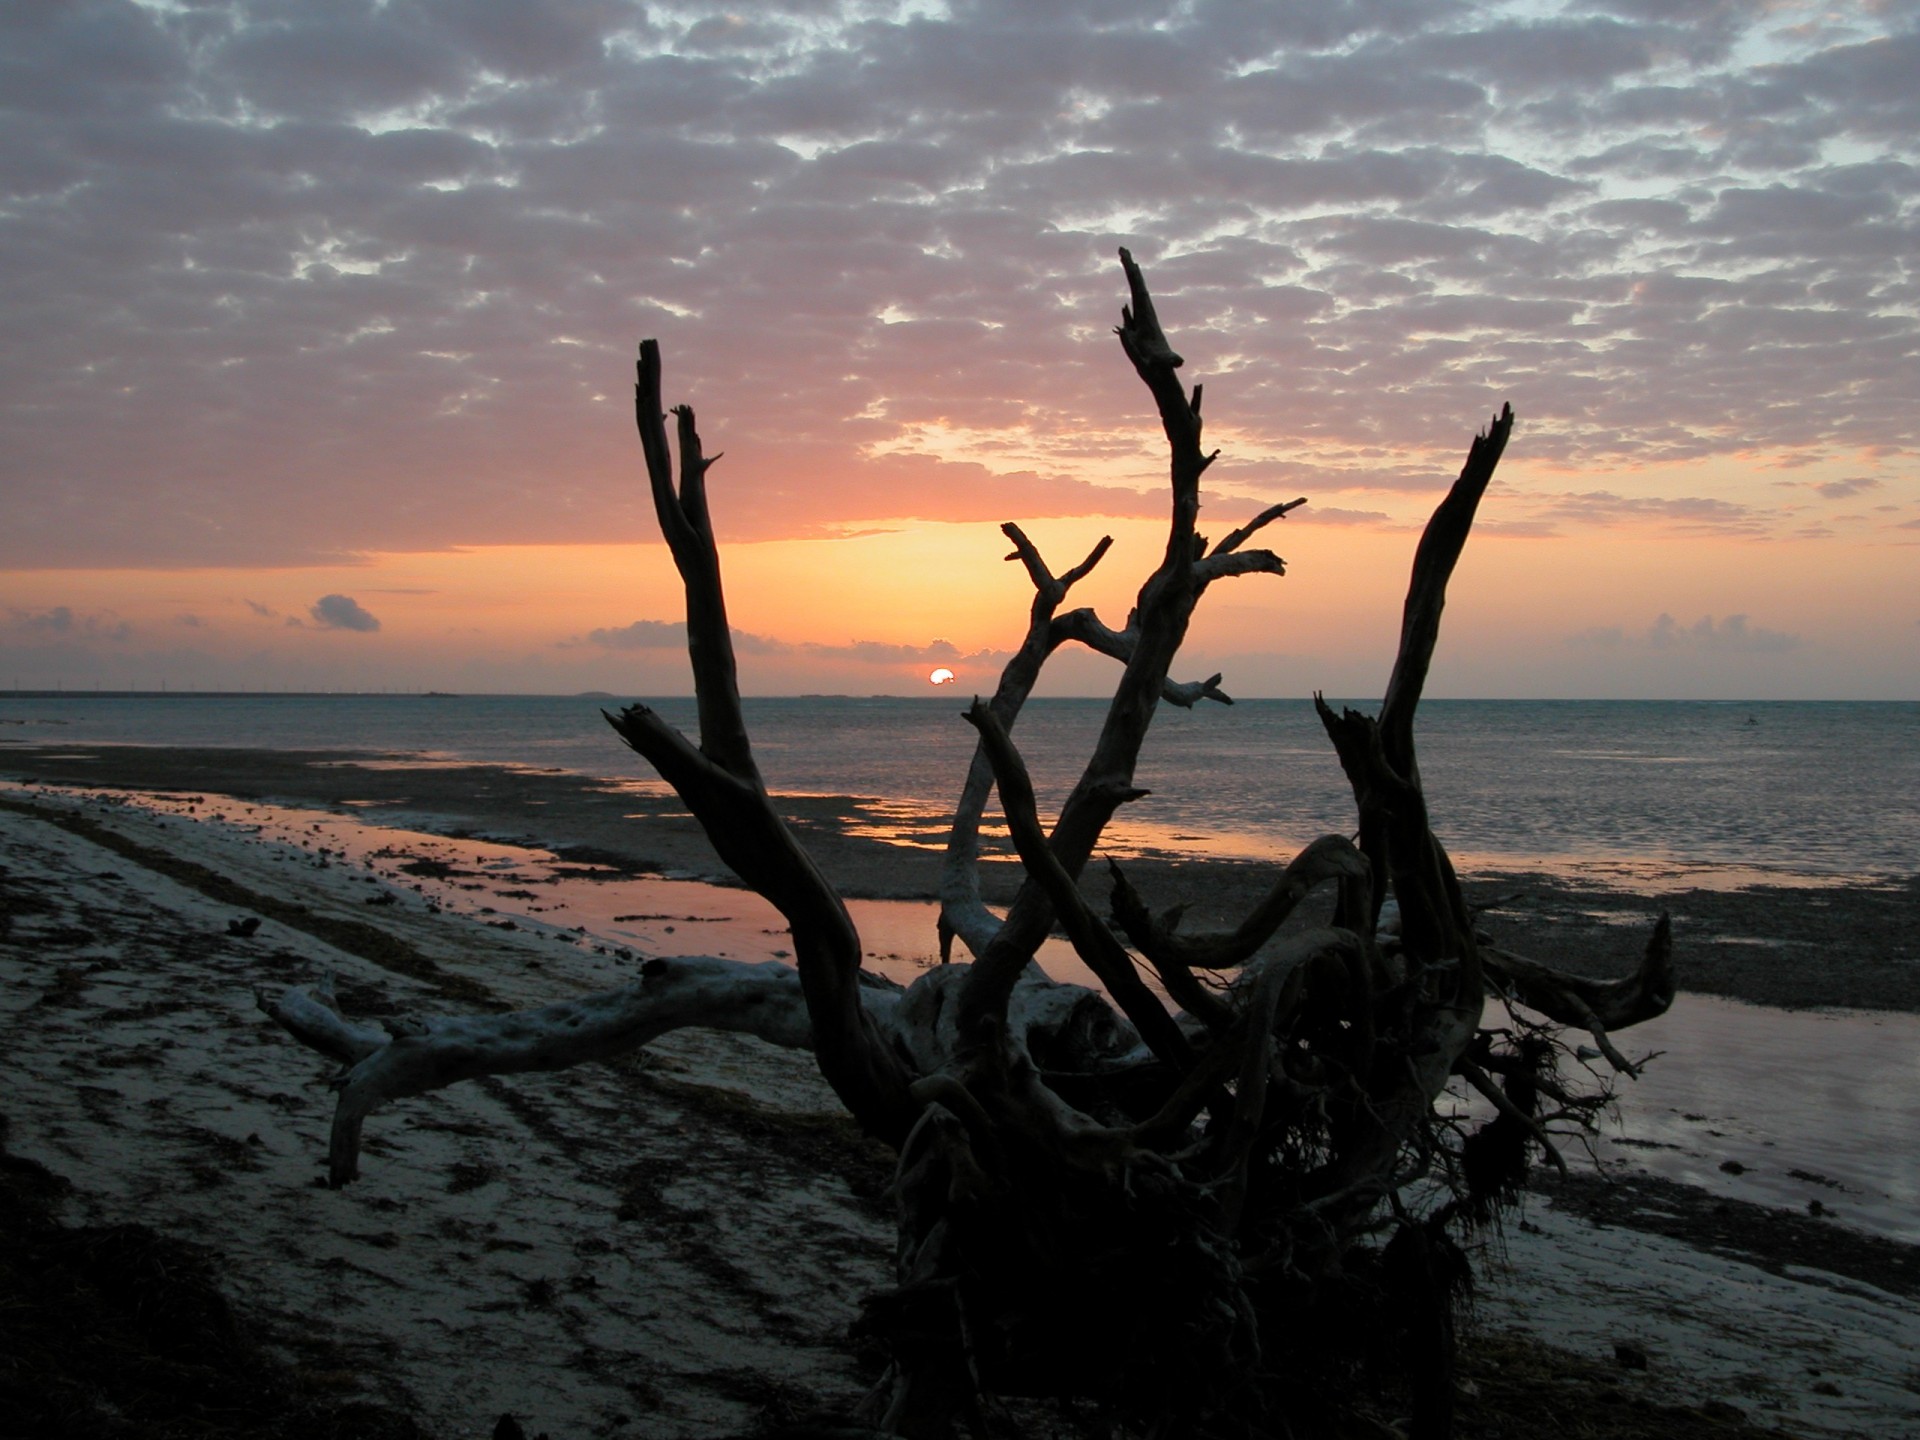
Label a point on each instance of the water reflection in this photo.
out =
(1783, 1107)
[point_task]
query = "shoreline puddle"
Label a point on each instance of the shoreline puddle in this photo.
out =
(1792, 1108)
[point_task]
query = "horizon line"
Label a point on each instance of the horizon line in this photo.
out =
(947, 695)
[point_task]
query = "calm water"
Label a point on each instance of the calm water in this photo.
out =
(1783, 790)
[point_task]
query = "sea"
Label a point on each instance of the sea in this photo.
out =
(1645, 792)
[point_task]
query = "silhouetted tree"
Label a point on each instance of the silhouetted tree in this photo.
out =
(1184, 1198)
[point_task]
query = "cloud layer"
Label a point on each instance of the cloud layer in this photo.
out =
(283, 282)
(672, 635)
(342, 612)
(1730, 636)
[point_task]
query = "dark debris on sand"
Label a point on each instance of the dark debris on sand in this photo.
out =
(120, 1333)
(1780, 1242)
(116, 1332)
(1798, 947)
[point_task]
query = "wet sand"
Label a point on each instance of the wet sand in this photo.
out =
(669, 1246)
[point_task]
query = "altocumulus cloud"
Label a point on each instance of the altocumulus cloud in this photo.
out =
(342, 612)
(1732, 634)
(56, 620)
(883, 230)
(65, 622)
(1846, 489)
(672, 634)
(640, 635)
(879, 652)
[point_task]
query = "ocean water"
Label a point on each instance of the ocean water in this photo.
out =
(1699, 792)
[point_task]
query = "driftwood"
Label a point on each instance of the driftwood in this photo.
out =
(1170, 1196)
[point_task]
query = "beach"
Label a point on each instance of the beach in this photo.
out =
(678, 1244)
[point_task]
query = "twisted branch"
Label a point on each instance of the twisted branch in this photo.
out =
(722, 786)
(1596, 1006)
(1161, 614)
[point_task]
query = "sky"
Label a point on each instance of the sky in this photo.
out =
(317, 323)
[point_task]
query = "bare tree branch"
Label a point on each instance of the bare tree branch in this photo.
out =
(1162, 612)
(1240, 562)
(1483, 1082)
(689, 534)
(721, 784)
(1596, 1006)
(1378, 756)
(1262, 1013)
(1086, 628)
(962, 912)
(1092, 940)
(764, 1000)
(1236, 538)
(1182, 985)
(1331, 857)
(1047, 1021)
(1440, 546)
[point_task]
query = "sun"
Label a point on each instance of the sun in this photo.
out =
(941, 676)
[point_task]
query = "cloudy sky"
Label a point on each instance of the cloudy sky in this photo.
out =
(319, 322)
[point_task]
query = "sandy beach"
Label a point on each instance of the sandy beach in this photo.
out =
(678, 1244)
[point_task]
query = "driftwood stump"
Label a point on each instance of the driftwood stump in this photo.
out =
(1205, 1196)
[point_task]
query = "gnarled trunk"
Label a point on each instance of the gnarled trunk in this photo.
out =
(1168, 1195)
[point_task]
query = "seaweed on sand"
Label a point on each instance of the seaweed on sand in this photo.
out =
(117, 1332)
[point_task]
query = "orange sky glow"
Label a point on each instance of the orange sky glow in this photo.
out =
(319, 373)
